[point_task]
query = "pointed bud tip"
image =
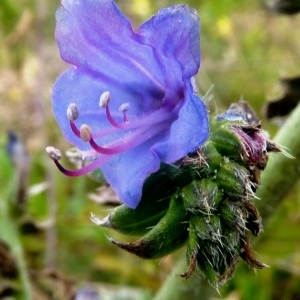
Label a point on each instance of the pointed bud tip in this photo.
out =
(72, 112)
(53, 153)
(104, 222)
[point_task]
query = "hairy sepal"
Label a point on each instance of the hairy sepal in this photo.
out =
(169, 234)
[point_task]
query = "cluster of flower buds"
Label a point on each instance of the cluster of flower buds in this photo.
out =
(204, 201)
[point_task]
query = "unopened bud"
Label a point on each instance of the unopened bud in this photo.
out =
(201, 196)
(233, 178)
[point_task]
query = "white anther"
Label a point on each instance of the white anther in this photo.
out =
(104, 99)
(85, 132)
(72, 112)
(53, 153)
(124, 107)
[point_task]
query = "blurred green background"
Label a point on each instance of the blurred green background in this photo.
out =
(245, 50)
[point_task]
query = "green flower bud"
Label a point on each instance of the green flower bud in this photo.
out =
(233, 180)
(207, 227)
(201, 196)
(233, 215)
(207, 157)
(226, 141)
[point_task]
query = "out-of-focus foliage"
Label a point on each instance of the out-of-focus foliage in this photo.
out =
(244, 51)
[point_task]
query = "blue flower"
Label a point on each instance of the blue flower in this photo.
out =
(127, 103)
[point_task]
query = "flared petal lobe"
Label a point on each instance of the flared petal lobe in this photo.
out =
(96, 37)
(187, 133)
(147, 72)
(175, 32)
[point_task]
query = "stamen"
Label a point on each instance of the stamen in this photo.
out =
(104, 101)
(72, 112)
(124, 108)
(53, 153)
(136, 133)
(130, 141)
(85, 132)
(75, 129)
(156, 117)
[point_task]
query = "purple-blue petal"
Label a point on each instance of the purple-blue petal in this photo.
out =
(150, 70)
(187, 133)
(127, 172)
(175, 32)
(96, 37)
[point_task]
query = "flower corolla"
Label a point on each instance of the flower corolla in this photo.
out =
(127, 102)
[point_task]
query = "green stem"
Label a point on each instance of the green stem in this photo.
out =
(9, 233)
(281, 174)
